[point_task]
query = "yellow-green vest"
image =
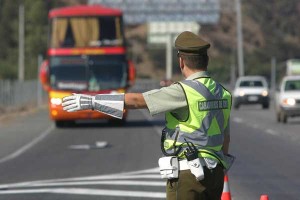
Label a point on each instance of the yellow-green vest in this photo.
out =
(209, 105)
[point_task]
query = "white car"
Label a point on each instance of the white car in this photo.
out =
(287, 100)
(251, 90)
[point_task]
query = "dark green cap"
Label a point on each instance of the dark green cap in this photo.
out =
(190, 43)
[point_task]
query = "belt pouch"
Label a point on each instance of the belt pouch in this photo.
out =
(168, 167)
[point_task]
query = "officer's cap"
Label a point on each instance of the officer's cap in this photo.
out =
(191, 44)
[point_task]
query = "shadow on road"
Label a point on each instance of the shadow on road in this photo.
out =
(113, 123)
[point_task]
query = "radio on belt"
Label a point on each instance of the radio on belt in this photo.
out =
(191, 154)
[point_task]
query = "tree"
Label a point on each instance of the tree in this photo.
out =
(36, 35)
(9, 38)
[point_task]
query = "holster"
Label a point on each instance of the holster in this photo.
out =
(196, 168)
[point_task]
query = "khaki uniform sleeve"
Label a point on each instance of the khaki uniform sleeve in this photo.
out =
(165, 99)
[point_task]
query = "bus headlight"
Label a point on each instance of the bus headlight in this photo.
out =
(56, 101)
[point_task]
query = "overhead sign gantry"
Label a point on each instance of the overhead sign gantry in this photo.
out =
(142, 11)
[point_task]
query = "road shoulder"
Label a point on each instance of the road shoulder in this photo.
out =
(17, 129)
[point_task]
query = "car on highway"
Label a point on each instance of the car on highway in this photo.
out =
(287, 98)
(251, 90)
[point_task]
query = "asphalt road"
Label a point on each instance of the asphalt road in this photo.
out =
(104, 161)
(267, 155)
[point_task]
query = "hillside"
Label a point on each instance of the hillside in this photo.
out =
(269, 30)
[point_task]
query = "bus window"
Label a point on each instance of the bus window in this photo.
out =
(108, 75)
(92, 74)
(69, 40)
(68, 73)
(86, 32)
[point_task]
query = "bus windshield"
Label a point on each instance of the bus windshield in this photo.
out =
(94, 73)
(100, 31)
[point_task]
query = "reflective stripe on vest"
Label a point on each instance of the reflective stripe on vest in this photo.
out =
(209, 109)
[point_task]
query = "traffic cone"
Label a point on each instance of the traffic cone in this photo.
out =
(226, 191)
(264, 197)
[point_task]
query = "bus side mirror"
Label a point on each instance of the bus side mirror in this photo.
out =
(44, 75)
(131, 73)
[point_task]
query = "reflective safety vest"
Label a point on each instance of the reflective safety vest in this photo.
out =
(209, 107)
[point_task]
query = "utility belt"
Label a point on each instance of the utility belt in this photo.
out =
(170, 165)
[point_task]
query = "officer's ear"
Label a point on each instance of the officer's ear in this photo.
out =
(181, 63)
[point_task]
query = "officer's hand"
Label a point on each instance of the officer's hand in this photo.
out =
(78, 102)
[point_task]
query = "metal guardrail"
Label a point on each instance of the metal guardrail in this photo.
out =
(17, 94)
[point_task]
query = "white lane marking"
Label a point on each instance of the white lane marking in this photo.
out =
(255, 126)
(27, 146)
(237, 120)
(85, 191)
(97, 145)
(113, 179)
(105, 182)
(142, 174)
(125, 175)
(271, 132)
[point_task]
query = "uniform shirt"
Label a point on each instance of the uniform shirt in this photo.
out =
(172, 99)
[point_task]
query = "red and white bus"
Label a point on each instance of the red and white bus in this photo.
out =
(86, 54)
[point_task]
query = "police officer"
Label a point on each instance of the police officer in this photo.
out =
(197, 111)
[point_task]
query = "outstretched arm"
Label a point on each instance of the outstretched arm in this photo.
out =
(107, 103)
(134, 101)
(110, 104)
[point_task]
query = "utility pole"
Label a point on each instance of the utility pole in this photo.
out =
(273, 75)
(240, 52)
(21, 43)
(39, 87)
(169, 56)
